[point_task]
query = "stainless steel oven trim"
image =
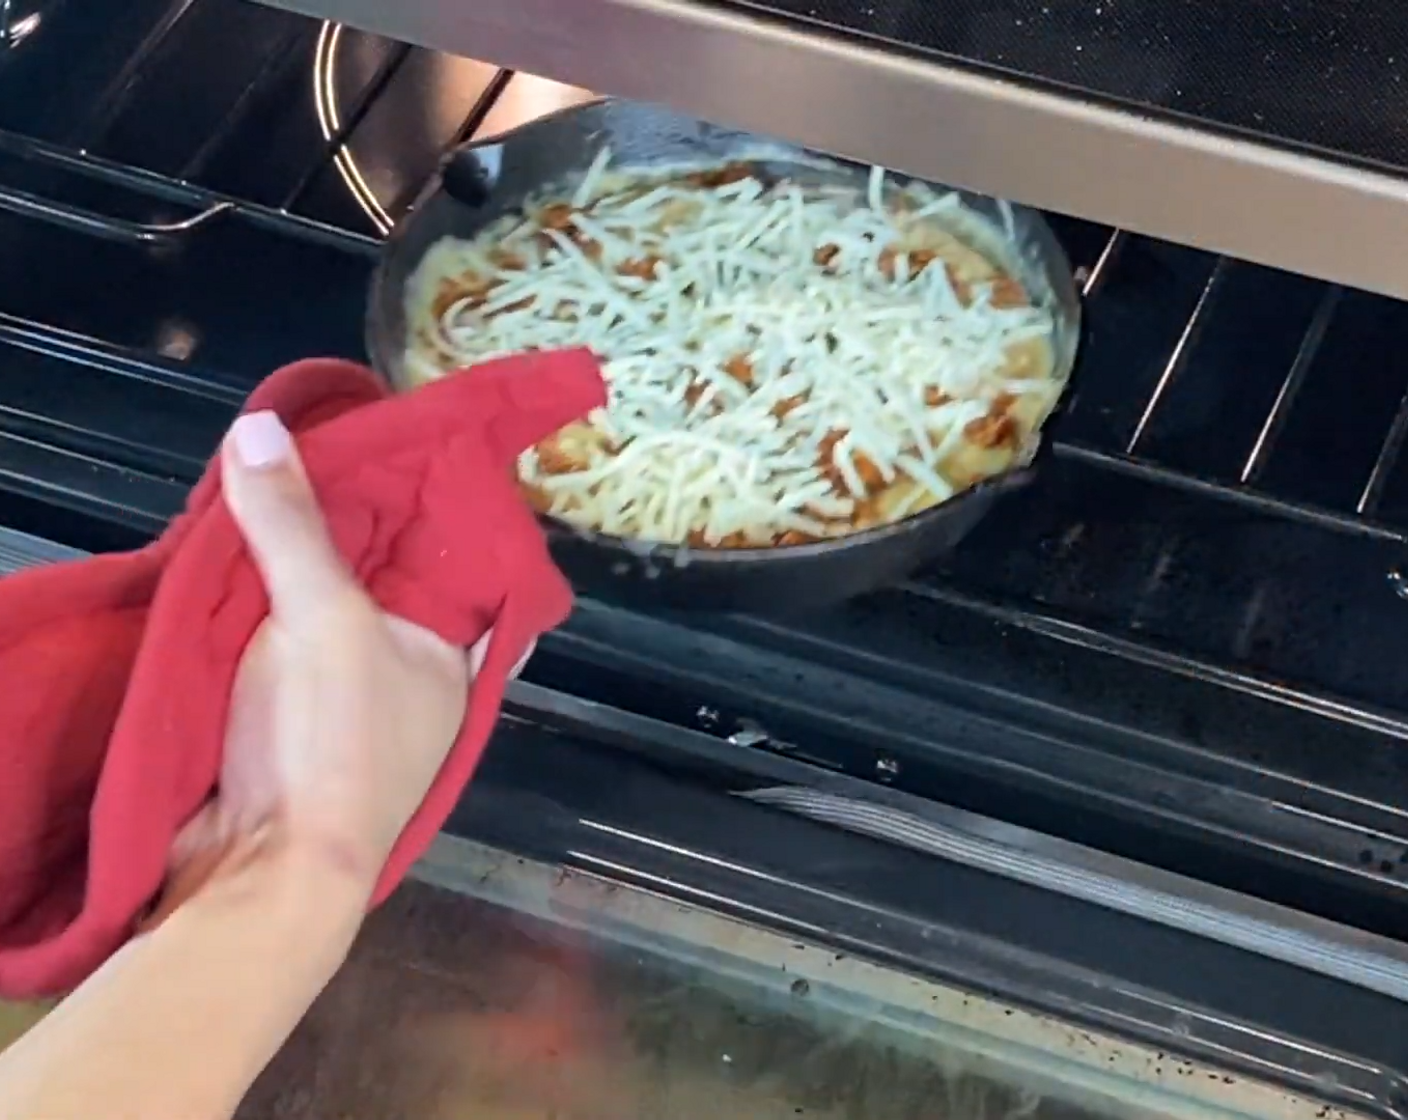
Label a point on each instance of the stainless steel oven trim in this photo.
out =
(1154, 176)
(1149, 893)
(1045, 862)
(20, 550)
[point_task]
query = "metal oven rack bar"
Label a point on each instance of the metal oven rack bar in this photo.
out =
(1360, 520)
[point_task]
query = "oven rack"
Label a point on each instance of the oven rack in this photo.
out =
(1196, 599)
(1096, 249)
(1362, 515)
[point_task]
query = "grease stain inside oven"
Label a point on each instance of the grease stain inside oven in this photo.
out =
(176, 339)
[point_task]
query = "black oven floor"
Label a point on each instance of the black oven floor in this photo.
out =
(1182, 643)
(1321, 75)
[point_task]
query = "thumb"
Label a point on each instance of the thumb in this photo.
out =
(276, 510)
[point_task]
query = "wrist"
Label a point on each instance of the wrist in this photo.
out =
(299, 898)
(274, 860)
(312, 856)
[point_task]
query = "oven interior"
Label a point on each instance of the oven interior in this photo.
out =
(1176, 649)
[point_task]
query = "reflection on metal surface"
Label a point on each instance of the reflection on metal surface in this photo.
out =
(75, 218)
(20, 550)
(495, 987)
(507, 988)
(1286, 395)
(15, 29)
(939, 122)
(325, 103)
(176, 339)
(1148, 893)
(394, 147)
(1385, 461)
(526, 98)
(1176, 357)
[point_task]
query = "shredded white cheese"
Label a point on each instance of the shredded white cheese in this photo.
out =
(779, 358)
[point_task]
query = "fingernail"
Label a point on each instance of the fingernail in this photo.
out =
(261, 440)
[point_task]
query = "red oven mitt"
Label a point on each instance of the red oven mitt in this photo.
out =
(116, 672)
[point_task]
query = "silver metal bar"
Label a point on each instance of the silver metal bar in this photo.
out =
(1043, 148)
(1286, 395)
(15, 27)
(100, 225)
(1384, 463)
(1241, 495)
(1150, 893)
(1036, 859)
(113, 97)
(1379, 721)
(1094, 280)
(20, 550)
(180, 193)
(1175, 360)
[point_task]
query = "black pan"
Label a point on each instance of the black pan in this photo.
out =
(481, 181)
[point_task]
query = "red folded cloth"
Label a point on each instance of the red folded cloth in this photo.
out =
(115, 672)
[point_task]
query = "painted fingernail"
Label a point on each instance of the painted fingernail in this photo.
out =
(261, 440)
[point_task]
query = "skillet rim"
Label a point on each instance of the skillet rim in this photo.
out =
(1055, 260)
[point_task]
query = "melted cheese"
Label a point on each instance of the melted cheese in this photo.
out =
(778, 358)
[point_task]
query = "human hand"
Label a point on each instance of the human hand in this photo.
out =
(341, 714)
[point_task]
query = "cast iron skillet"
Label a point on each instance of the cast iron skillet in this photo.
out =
(481, 181)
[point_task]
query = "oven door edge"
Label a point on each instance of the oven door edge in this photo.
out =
(562, 799)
